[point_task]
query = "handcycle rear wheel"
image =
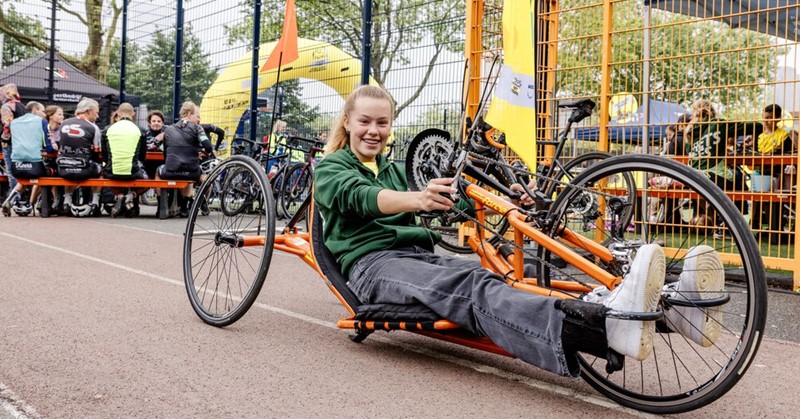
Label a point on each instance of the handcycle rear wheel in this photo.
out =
(226, 255)
(680, 375)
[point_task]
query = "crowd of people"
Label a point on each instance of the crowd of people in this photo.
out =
(710, 141)
(77, 149)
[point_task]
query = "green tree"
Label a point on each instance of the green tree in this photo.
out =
(150, 70)
(13, 50)
(398, 28)
(98, 17)
(710, 60)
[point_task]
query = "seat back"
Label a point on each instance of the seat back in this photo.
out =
(333, 272)
(327, 263)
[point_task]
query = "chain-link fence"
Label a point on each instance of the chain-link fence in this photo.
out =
(416, 53)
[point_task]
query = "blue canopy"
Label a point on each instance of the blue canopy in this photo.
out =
(773, 17)
(662, 114)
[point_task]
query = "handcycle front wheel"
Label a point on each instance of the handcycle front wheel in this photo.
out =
(684, 372)
(226, 254)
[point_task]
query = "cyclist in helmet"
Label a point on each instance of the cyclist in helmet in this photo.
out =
(30, 136)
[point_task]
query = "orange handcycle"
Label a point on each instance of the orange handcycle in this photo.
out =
(579, 238)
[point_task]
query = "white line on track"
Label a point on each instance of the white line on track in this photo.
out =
(147, 230)
(482, 368)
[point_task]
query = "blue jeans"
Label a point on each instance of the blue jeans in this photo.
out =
(526, 325)
(12, 181)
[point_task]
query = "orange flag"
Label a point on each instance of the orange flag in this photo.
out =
(286, 49)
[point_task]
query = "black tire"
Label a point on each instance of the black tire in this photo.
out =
(573, 167)
(680, 375)
(164, 199)
(222, 273)
(432, 148)
(295, 188)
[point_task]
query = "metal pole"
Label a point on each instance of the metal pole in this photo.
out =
(646, 80)
(646, 100)
(366, 42)
(275, 96)
(254, 72)
(2, 44)
(50, 75)
(124, 55)
(176, 90)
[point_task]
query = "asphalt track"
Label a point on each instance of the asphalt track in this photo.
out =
(95, 323)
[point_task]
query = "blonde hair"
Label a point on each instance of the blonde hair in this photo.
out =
(187, 109)
(339, 137)
(126, 110)
(702, 111)
(280, 125)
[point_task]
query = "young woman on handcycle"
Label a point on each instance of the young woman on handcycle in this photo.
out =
(369, 226)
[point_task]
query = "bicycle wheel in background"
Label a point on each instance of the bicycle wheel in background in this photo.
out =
(574, 167)
(428, 154)
(297, 182)
(226, 255)
(687, 369)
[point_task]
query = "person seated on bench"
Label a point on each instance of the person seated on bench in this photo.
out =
(182, 142)
(124, 148)
(369, 227)
(774, 140)
(30, 136)
(77, 158)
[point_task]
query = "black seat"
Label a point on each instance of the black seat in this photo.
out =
(373, 312)
(577, 103)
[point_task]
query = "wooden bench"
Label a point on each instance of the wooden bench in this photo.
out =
(47, 182)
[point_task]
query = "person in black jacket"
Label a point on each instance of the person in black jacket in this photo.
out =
(183, 142)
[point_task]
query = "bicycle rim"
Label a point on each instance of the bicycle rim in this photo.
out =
(682, 374)
(223, 274)
(296, 188)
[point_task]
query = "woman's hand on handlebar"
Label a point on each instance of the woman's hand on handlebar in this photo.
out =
(437, 195)
(525, 200)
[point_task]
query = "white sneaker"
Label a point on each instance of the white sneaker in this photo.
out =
(703, 277)
(640, 291)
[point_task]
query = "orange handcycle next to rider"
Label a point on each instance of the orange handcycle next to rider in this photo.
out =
(580, 235)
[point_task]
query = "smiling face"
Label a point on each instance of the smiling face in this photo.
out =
(156, 123)
(369, 124)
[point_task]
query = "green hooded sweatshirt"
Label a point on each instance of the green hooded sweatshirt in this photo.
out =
(346, 194)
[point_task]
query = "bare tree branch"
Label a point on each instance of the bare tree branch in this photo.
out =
(422, 84)
(79, 16)
(23, 39)
(335, 22)
(396, 48)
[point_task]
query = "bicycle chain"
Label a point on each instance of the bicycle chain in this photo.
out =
(519, 170)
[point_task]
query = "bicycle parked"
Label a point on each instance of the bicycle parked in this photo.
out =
(298, 177)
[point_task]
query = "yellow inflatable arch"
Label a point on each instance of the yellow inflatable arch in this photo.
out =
(229, 97)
